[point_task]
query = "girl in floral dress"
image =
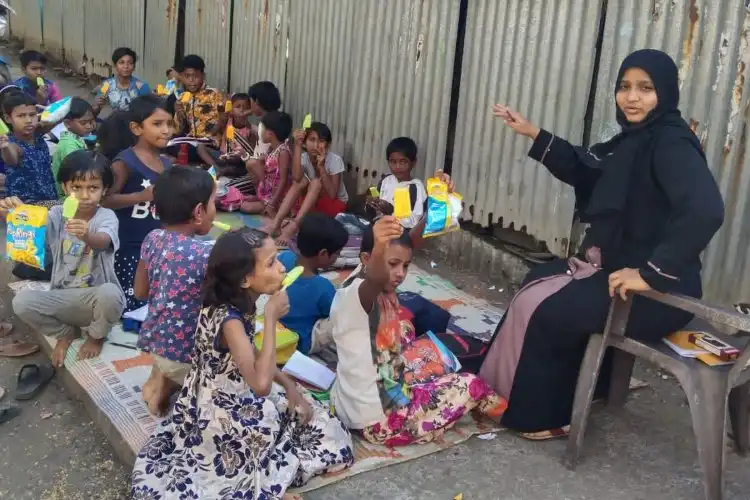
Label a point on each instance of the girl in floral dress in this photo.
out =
(233, 433)
(375, 391)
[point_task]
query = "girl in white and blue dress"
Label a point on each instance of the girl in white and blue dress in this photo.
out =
(240, 428)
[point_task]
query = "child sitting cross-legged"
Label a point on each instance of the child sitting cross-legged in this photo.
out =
(85, 293)
(34, 66)
(170, 274)
(317, 182)
(319, 243)
(240, 428)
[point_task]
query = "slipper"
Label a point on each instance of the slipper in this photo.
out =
(6, 328)
(18, 349)
(8, 412)
(559, 433)
(32, 379)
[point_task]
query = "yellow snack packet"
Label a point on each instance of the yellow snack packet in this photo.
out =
(443, 209)
(26, 235)
(401, 202)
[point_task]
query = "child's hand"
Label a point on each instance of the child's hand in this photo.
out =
(147, 194)
(299, 136)
(379, 206)
(445, 178)
(41, 94)
(9, 204)
(385, 230)
(77, 227)
(299, 405)
(100, 100)
(4, 142)
(277, 306)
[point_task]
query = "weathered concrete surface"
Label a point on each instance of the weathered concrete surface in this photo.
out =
(646, 452)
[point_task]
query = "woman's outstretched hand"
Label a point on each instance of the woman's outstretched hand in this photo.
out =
(516, 121)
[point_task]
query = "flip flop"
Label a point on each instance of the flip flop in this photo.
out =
(6, 328)
(8, 412)
(559, 433)
(18, 349)
(32, 379)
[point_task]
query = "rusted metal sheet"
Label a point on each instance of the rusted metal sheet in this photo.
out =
(536, 57)
(374, 71)
(127, 20)
(53, 27)
(73, 15)
(710, 41)
(161, 38)
(98, 25)
(207, 25)
(259, 43)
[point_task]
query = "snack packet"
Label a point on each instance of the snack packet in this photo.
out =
(56, 111)
(443, 209)
(27, 232)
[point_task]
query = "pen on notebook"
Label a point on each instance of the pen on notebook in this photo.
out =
(126, 346)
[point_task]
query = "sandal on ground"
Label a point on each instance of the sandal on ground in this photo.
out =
(6, 328)
(32, 379)
(8, 412)
(559, 433)
(17, 349)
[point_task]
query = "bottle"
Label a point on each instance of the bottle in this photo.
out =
(182, 156)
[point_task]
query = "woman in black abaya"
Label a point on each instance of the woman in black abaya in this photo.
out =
(652, 206)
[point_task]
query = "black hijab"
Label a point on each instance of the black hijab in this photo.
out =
(632, 149)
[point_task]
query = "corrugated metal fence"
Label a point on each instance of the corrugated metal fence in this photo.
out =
(376, 70)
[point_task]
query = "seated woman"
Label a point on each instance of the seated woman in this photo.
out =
(652, 206)
(371, 393)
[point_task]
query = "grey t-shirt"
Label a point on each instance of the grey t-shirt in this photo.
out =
(334, 166)
(75, 264)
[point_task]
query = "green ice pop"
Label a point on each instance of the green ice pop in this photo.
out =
(308, 121)
(221, 225)
(70, 207)
(39, 81)
(3, 128)
(292, 276)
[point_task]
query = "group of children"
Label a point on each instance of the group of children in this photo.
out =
(239, 427)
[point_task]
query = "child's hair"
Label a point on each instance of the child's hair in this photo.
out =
(78, 108)
(193, 61)
(240, 96)
(324, 133)
(404, 145)
(114, 135)
(368, 240)
(144, 106)
(83, 164)
(266, 95)
(319, 232)
(121, 52)
(14, 99)
(231, 261)
(30, 56)
(179, 190)
(279, 123)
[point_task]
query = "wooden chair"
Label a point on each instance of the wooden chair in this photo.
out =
(712, 392)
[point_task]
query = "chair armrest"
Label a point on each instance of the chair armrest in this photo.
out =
(701, 309)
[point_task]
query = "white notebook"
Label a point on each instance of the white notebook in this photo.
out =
(310, 371)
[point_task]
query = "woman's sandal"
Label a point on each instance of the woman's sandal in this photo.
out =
(559, 433)
(17, 349)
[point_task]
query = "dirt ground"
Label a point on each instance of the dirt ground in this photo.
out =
(647, 451)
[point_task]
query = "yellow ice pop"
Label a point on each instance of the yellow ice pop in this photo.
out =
(105, 88)
(221, 225)
(39, 81)
(3, 128)
(374, 192)
(228, 107)
(161, 90)
(186, 96)
(401, 202)
(308, 121)
(230, 132)
(70, 207)
(292, 276)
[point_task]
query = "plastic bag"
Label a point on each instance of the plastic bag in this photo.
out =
(27, 233)
(443, 209)
(56, 111)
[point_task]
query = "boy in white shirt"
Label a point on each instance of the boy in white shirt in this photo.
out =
(402, 157)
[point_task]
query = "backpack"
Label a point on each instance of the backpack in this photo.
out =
(469, 350)
(231, 201)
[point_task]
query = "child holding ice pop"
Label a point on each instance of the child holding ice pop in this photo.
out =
(169, 276)
(85, 295)
(120, 89)
(33, 82)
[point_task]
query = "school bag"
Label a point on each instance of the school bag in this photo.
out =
(470, 351)
(231, 201)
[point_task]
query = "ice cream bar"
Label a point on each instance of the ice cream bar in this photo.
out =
(228, 106)
(105, 88)
(230, 132)
(292, 276)
(308, 121)
(221, 225)
(3, 128)
(401, 202)
(374, 192)
(70, 207)
(39, 81)
(186, 96)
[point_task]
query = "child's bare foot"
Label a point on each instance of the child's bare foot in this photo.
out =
(61, 350)
(287, 233)
(160, 390)
(90, 348)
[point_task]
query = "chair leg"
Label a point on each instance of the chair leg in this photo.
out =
(622, 371)
(739, 417)
(707, 396)
(589, 373)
